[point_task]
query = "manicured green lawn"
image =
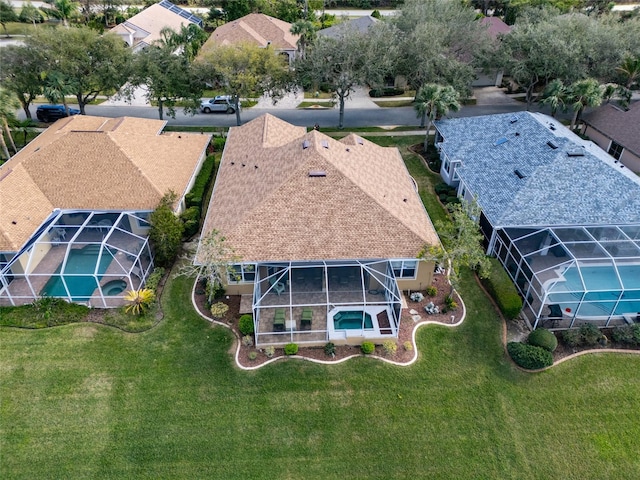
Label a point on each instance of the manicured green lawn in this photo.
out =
(87, 401)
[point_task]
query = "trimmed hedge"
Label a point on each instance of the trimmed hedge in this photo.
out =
(368, 348)
(385, 92)
(191, 219)
(245, 324)
(587, 334)
(542, 337)
(529, 356)
(502, 289)
(291, 349)
(196, 196)
(628, 334)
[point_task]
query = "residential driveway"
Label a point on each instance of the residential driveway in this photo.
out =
(493, 96)
(290, 100)
(137, 100)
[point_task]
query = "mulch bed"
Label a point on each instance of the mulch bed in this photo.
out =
(407, 325)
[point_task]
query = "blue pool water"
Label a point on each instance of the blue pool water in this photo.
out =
(603, 287)
(80, 263)
(351, 320)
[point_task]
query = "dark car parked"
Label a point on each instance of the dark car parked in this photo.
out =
(51, 113)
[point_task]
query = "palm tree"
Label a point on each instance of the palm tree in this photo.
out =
(630, 70)
(432, 102)
(56, 89)
(66, 9)
(8, 105)
(583, 93)
(307, 33)
(555, 96)
(25, 127)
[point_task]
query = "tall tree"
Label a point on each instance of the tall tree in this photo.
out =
(56, 87)
(581, 94)
(30, 14)
(7, 14)
(166, 230)
(66, 9)
(245, 70)
(168, 79)
(20, 73)
(95, 64)
(629, 69)
(432, 102)
(440, 40)
(335, 62)
(186, 42)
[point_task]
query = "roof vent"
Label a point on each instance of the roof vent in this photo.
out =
(317, 173)
(552, 144)
(360, 141)
(513, 119)
(575, 153)
(552, 126)
(519, 174)
(305, 144)
(500, 141)
(325, 143)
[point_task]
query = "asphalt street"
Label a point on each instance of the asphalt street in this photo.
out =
(360, 117)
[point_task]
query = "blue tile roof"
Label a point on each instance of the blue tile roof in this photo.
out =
(556, 189)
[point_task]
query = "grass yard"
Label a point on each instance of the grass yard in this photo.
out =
(88, 401)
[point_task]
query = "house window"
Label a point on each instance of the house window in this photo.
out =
(463, 191)
(241, 273)
(615, 150)
(446, 165)
(404, 268)
(142, 219)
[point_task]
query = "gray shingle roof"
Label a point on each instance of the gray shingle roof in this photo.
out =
(360, 24)
(556, 189)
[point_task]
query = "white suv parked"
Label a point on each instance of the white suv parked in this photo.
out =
(221, 103)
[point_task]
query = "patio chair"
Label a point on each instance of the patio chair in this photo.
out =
(278, 320)
(555, 311)
(278, 287)
(307, 316)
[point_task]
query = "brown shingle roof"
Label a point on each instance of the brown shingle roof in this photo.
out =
(85, 162)
(268, 206)
(621, 126)
(255, 28)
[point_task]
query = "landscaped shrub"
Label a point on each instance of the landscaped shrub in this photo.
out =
(219, 310)
(586, 335)
(452, 199)
(195, 197)
(432, 291)
(247, 341)
(542, 337)
(443, 197)
(385, 92)
(390, 347)
(245, 324)
(166, 232)
(408, 346)
(529, 356)
(291, 349)
(252, 355)
(441, 187)
(269, 351)
(218, 143)
(153, 280)
(330, 349)
(450, 303)
(502, 289)
(416, 297)
(367, 347)
(138, 300)
(628, 334)
(191, 220)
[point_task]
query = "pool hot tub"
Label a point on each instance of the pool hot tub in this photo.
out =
(351, 320)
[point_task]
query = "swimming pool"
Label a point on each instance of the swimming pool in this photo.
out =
(602, 294)
(351, 320)
(78, 274)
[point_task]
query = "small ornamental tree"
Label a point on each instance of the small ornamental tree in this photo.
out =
(166, 231)
(219, 310)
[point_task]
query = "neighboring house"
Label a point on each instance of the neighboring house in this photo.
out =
(257, 29)
(360, 24)
(560, 214)
(143, 29)
(75, 203)
(495, 28)
(616, 131)
(328, 233)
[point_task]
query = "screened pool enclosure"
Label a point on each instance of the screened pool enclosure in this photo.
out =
(81, 256)
(571, 275)
(317, 302)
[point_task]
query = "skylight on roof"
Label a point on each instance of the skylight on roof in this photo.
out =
(325, 143)
(513, 119)
(575, 153)
(552, 144)
(500, 141)
(305, 144)
(360, 141)
(317, 173)
(519, 174)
